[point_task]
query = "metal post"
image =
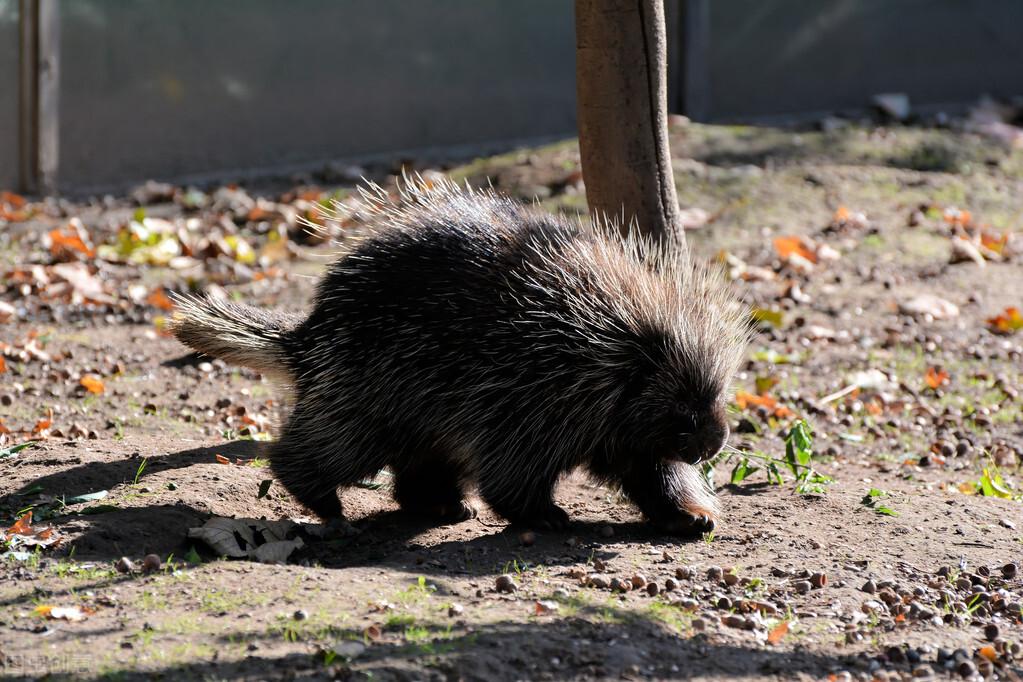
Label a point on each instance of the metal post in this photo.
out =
(38, 93)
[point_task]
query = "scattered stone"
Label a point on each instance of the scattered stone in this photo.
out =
(505, 583)
(543, 608)
(527, 538)
(598, 581)
(455, 610)
(802, 586)
(638, 581)
(670, 585)
(991, 632)
(870, 587)
(124, 565)
(715, 573)
(619, 585)
(1009, 571)
(151, 563)
(929, 304)
(652, 589)
(301, 614)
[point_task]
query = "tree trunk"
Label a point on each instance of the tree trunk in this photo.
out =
(621, 88)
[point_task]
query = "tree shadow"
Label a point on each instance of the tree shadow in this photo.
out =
(591, 642)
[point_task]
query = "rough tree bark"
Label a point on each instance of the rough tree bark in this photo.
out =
(621, 89)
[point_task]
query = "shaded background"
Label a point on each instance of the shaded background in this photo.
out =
(210, 88)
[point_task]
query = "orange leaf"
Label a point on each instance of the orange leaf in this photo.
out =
(955, 217)
(1006, 322)
(988, 652)
(257, 213)
(745, 400)
(44, 424)
(15, 200)
(3, 364)
(22, 526)
(4, 429)
(92, 383)
(160, 300)
(936, 377)
(841, 215)
(994, 241)
(787, 246)
(70, 241)
(778, 632)
(221, 459)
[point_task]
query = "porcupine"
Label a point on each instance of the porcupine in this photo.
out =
(472, 341)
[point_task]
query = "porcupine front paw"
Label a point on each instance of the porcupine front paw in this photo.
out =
(685, 524)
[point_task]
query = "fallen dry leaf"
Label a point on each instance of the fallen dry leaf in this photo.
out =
(778, 632)
(62, 242)
(69, 613)
(786, 247)
(43, 425)
(1006, 322)
(158, 299)
(936, 377)
(221, 459)
(92, 383)
(745, 400)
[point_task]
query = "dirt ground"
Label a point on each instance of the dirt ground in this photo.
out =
(906, 565)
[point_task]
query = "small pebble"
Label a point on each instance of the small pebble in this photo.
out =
(715, 573)
(730, 578)
(598, 581)
(638, 581)
(802, 586)
(619, 585)
(1009, 571)
(301, 614)
(124, 565)
(870, 587)
(607, 532)
(724, 603)
(505, 583)
(923, 671)
(670, 585)
(455, 610)
(966, 668)
(151, 563)
(527, 538)
(818, 580)
(652, 589)
(683, 573)
(991, 632)
(734, 620)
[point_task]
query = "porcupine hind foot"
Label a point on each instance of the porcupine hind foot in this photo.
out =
(312, 470)
(432, 485)
(674, 497)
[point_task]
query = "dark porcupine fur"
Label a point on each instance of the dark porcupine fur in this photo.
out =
(474, 341)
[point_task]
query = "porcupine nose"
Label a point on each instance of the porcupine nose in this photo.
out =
(713, 439)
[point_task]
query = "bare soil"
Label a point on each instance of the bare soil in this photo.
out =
(928, 566)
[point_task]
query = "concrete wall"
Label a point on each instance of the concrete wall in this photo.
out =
(163, 89)
(8, 94)
(787, 56)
